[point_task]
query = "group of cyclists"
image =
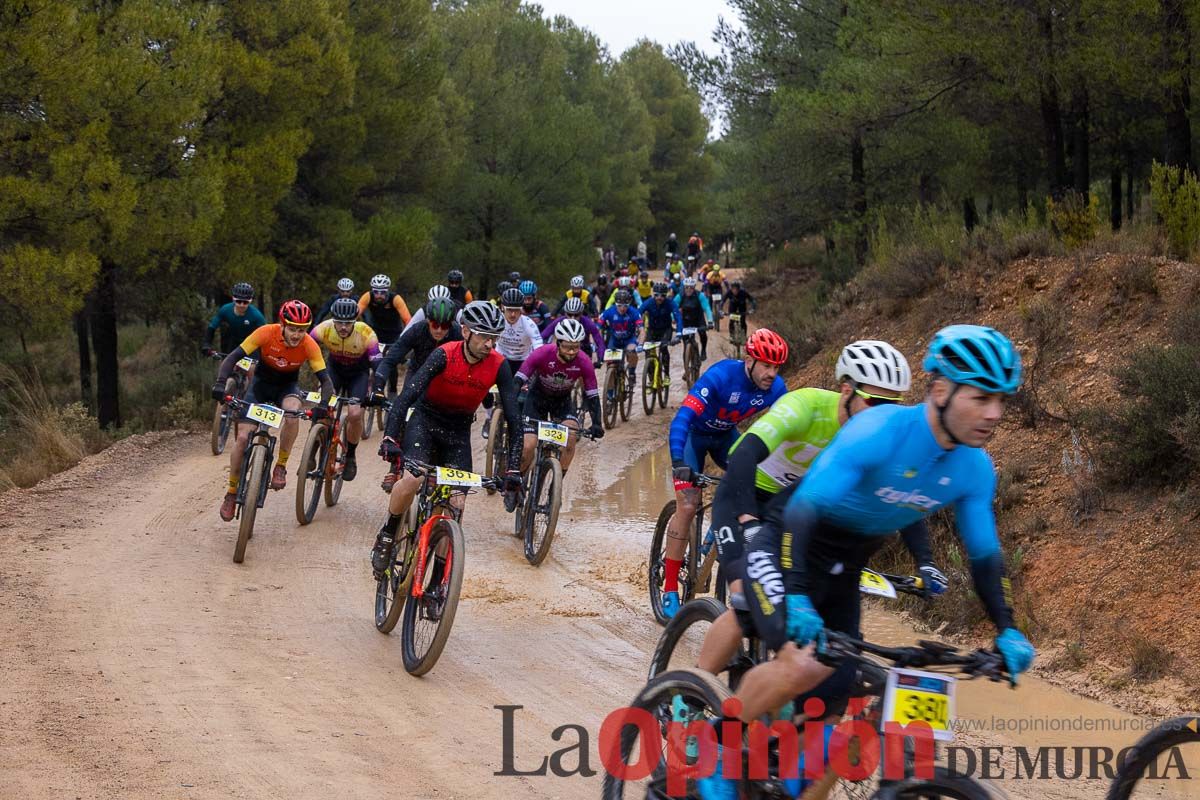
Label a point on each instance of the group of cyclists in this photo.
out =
(816, 482)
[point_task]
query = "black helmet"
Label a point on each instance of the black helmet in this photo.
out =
(344, 309)
(660, 289)
(514, 277)
(603, 279)
(454, 276)
(242, 291)
(503, 286)
(512, 298)
(480, 316)
(440, 310)
(624, 298)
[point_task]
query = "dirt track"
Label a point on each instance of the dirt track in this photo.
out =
(140, 662)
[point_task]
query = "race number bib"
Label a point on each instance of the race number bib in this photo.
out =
(871, 582)
(315, 397)
(735, 317)
(716, 298)
(555, 434)
(650, 346)
(457, 477)
(245, 364)
(612, 355)
(267, 415)
(916, 696)
(689, 332)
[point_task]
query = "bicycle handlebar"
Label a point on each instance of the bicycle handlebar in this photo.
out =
(419, 469)
(237, 403)
(978, 663)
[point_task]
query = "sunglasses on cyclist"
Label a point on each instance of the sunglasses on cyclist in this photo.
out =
(873, 400)
(241, 302)
(439, 326)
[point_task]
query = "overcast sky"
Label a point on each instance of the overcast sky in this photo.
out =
(620, 23)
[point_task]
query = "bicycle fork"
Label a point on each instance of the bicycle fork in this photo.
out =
(418, 584)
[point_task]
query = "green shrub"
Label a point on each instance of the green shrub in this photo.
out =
(1175, 193)
(1075, 219)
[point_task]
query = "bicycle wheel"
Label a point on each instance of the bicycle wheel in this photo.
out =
(391, 592)
(1153, 757)
(223, 420)
(497, 445)
(657, 564)
(310, 477)
(692, 365)
(256, 475)
(335, 461)
(649, 393)
(679, 645)
(368, 422)
(522, 513)
(664, 382)
(543, 510)
(943, 784)
(626, 396)
(703, 695)
(611, 399)
(428, 618)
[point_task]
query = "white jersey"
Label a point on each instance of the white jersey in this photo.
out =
(519, 340)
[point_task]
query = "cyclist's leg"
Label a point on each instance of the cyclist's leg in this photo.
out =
(703, 331)
(238, 450)
(290, 400)
(532, 412)
(631, 359)
(687, 502)
(725, 635)
(418, 445)
(354, 385)
(566, 413)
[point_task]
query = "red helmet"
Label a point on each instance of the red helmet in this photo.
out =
(295, 312)
(766, 345)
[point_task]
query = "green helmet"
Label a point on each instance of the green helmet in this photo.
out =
(440, 310)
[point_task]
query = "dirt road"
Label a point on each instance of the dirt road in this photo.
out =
(139, 661)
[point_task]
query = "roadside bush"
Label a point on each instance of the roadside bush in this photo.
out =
(1133, 277)
(1148, 661)
(1013, 236)
(1075, 219)
(1175, 193)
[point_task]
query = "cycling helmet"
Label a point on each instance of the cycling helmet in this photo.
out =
(454, 276)
(624, 298)
(344, 309)
(569, 330)
(624, 282)
(381, 282)
(512, 298)
(440, 310)
(875, 363)
(644, 274)
(660, 289)
(242, 291)
(735, 284)
(438, 291)
(528, 288)
(577, 282)
(503, 286)
(602, 280)
(977, 356)
(295, 312)
(514, 277)
(766, 345)
(345, 285)
(573, 306)
(689, 282)
(480, 316)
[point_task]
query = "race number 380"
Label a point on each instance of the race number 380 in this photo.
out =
(915, 696)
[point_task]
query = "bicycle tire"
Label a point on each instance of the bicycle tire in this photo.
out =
(310, 478)
(943, 784)
(626, 397)
(702, 609)
(664, 382)
(649, 393)
(392, 590)
(610, 390)
(522, 512)
(1161, 738)
(494, 448)
(333, 483)
(255, 475)
(658, 561)
(550, 479)
(418, 663)
(222, 421)
(369, 422)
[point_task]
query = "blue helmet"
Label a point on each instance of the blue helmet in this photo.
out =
(528, 288)
(977, 356)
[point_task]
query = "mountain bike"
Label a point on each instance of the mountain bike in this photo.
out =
(656, 381)
(1142, 772)
(737, 334)
(376, 417)
(235, 386)
(256, 464)
(323, 458)
(714, 299)
(426, 594)
(691, 356)
(696, 575)
(891, 691)
(496, 447)
(537, 518)
(618, 396)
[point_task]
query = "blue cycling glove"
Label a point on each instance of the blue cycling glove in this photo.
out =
(803, 621)
(1017, 651)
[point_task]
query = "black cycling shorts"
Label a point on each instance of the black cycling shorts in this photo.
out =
(272, 392)
(550, 408)
(351, 383)
(659, 334)
(514, 365)
(431, 438)
(730, 547)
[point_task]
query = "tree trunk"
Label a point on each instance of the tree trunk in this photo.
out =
(1129, 193)
(970, 214)
(1056, 158)
(488, 234)
(1081, 161)
(1177, 68)
(858, 198)
(1022, 189)
(1114, 200)
(85, 358)
(104, 341)
(925, 189)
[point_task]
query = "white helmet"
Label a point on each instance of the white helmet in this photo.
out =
(439, 292)
(381, 282)
(345, 285)
(573, 306)
(689, 282)
(569, 330)
(875, 363)
(577, 282)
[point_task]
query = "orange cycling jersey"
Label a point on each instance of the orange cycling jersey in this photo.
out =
(361, 346)
(277, 356)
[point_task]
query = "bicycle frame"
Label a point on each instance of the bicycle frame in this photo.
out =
(260, 436)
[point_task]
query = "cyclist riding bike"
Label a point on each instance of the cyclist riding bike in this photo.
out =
(416, 344)
(599, 295)
(386, 313)
(578, 290)
(285, 347)
(696, 313)
(436, 292)
(353, 350)
(663, 324)
(695, 245)
(624, 283)
(460, 294)
(533, 308)
(444, 395)
(573, 309)
(739, 301)
(887, 469)
(714, 280)
(236, 319)
(518, 339)
(643, 285)
(728, 392)
(345, 288)
(621, 324)
(551, 372)
(768, 461)
(672, 248)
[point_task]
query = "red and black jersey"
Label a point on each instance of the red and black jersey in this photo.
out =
(461, 386)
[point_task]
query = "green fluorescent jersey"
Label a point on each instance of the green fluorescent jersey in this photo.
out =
(795, 430)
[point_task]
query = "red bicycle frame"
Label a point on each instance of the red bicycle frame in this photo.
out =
(418, 583)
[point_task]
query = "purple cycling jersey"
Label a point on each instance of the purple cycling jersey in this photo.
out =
(543, 371)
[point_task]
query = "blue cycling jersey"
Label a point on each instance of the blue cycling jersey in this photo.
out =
(722, 397)
(621, 328)
(234, 329)
(659, 316)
